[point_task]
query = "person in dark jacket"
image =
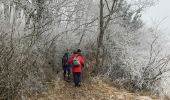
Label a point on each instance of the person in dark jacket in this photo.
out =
(77, 64)
(66, 67)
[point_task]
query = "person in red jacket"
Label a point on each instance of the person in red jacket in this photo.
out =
(77, 62)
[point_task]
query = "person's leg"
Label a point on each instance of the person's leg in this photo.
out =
(75, 76)
(69, 74)
(79, 78)
(64, 74)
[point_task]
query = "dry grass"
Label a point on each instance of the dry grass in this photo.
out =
(94, 90)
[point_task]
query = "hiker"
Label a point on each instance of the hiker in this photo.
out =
(77, 64)
(66, 67)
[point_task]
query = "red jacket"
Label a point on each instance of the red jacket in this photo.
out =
(79, 68)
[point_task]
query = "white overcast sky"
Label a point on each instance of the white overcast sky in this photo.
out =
(158, 13)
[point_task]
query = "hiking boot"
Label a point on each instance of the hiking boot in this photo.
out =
(68, 80)
(78, 85)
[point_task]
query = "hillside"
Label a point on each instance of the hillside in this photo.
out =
(94, 90)
(115, 42)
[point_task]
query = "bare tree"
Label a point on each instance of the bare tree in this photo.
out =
(103, 26)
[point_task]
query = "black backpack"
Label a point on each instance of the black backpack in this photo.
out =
(65, 59)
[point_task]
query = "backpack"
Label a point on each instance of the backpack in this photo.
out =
(65, 59)
(76, 62)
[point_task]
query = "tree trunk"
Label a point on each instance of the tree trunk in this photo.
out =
(100, 37)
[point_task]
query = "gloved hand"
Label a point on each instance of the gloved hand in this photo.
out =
(66, 64)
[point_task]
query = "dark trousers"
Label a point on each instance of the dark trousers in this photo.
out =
(67, 74)
(77, 78)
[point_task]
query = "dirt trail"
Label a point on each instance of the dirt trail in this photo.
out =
(94, 90)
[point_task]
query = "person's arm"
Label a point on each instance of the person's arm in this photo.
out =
(70, 60)
(82, 61)
(62, 62)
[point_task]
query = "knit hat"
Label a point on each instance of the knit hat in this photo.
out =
(78, 50)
